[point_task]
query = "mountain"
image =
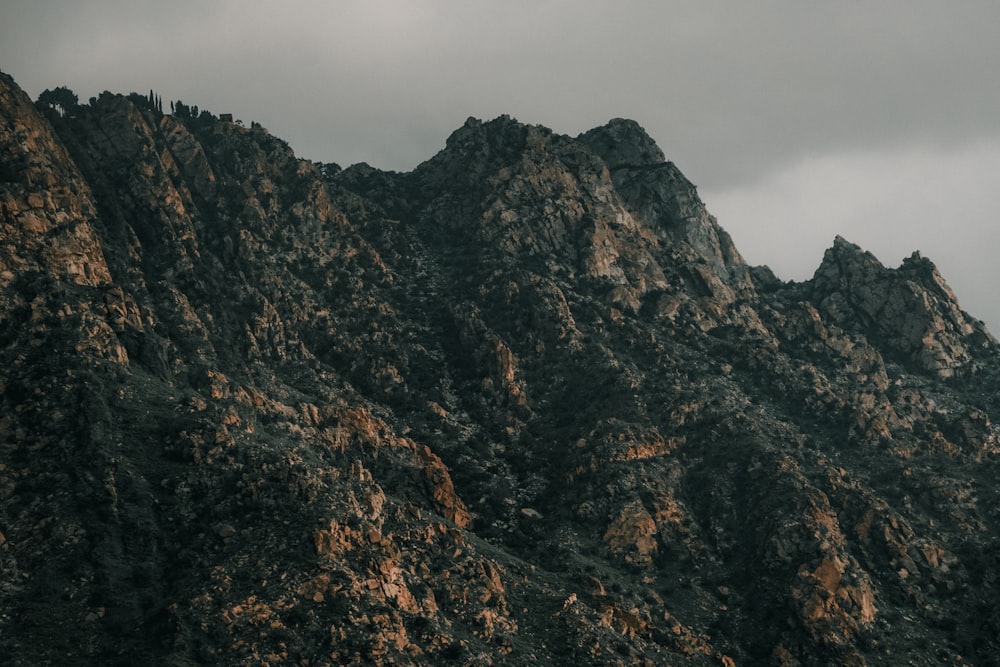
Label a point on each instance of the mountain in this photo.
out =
(526, 404)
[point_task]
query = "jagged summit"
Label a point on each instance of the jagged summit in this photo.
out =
(525, 404)
(623, 143)
(502, 133)
(911, 308)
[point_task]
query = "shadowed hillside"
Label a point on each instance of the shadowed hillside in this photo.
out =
(525, 404)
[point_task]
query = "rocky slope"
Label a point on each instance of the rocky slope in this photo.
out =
(524, 404)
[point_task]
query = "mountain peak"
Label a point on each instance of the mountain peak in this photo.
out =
(844, 261)
(911, 309)
(502, 132)
(622, 142)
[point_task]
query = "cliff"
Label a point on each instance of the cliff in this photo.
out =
(524, 404)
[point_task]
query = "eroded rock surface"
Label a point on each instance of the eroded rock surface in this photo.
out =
(523, 405)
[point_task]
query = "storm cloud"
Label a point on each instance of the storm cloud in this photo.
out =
(798, 121)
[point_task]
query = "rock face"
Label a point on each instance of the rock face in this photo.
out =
(911, 309)
(525, 404)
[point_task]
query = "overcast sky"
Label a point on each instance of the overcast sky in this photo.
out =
(878, 121)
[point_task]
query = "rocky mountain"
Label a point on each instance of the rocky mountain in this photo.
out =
(526, 404)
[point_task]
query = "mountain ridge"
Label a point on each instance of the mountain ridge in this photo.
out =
(525, 403)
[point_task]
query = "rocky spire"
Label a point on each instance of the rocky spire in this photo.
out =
(911, 308)
(623, 143)
(657, 192)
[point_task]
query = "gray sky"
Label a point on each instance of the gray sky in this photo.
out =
(879, 121)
